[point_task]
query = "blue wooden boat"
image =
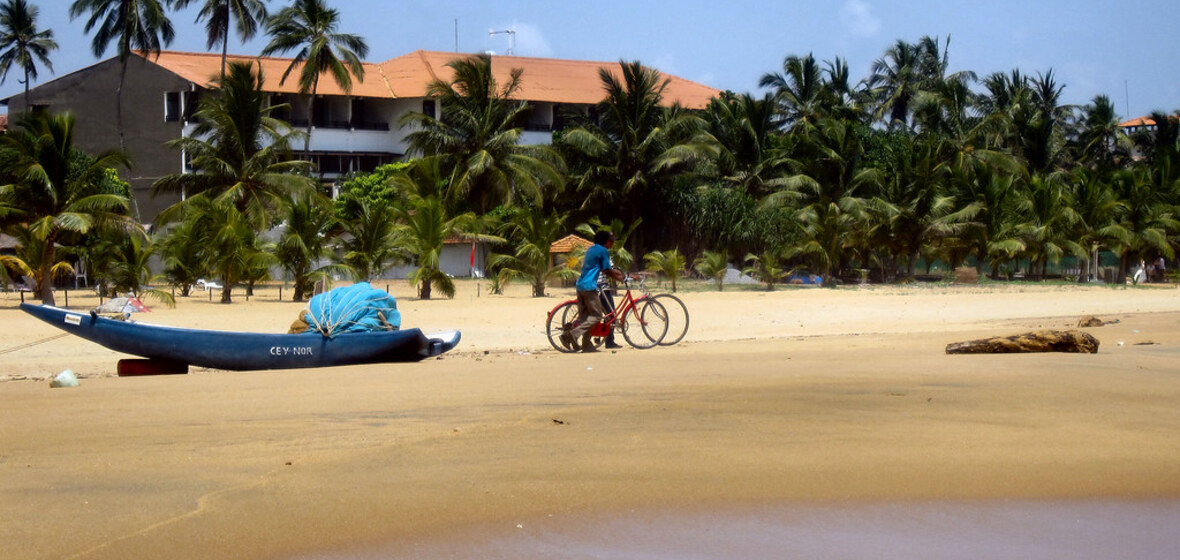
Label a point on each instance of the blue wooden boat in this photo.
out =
(242, 350)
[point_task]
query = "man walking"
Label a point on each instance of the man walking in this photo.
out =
(590, 308)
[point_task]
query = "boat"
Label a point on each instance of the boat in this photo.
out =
(171, 349)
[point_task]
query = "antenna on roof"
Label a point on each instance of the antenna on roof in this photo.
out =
(511, 37)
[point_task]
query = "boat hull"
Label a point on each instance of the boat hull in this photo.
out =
(243, 350)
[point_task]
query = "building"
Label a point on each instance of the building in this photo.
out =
(354, 132)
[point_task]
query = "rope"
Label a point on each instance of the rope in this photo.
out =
(34, 343)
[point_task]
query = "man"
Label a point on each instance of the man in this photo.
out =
(590, 308)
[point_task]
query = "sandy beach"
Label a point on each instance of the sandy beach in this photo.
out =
(795, 398)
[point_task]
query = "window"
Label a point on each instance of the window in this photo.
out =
(190, 104)
(428, 108)
(172, 106)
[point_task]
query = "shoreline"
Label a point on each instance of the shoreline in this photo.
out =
(295, 463)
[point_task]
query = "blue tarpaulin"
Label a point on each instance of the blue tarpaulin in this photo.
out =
(355, 308)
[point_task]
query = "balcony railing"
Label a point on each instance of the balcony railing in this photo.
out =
(339, 125)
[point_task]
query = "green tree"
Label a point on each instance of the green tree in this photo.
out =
(372, 188)
(802, 94)
(1102, 139)
(767, 267)
(829, 195)
(478, 137)
(750, 154)
(22, 45)
(135, 25)
(713, 265)
(232, 248)
(532, 232)
(670, 263)
(633, 151)
(129, 268)
(1142, 226)
(239, 153)
(246, 16)
(54, 192)
(309, 27)
(309, 228)
(370, 243)
(181, 247)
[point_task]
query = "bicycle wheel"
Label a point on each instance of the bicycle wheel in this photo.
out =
(677, 318)
(646, 324)
(559, 322)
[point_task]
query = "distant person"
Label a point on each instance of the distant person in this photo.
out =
(1140, 274)
(1160, 269)
(590, 308)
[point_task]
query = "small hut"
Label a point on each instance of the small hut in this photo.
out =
(559, 253)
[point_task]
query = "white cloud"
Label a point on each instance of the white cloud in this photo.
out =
(858, 19)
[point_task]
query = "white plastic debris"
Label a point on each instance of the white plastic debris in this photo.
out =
(65, 379)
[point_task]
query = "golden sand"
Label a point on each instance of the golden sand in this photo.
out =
(803, 395)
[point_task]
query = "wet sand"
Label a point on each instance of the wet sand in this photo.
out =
(797, 398)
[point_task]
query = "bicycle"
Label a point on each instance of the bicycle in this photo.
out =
(643, 321)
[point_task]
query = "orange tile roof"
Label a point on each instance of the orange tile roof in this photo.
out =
(1138, 121)
(543, 79)
(568, 243)
(1144, 121)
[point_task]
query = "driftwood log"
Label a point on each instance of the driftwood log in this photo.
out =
(1038, 341)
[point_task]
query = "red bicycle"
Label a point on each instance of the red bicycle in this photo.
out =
(643, 321)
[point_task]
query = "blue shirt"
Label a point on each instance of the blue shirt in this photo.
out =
(597, 259)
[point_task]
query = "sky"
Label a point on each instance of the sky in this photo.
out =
(1126, 49)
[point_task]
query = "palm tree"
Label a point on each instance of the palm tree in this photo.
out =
(478, 135)
(247, 16)
(129, 268)
(310, 27)
(1049, 222)
(309, 228)
(829, 195)
(1102, 138)
(670, 263)
(229, 246)
(55, 192)
(767, 268)
(749, 152)
(800, 89)
(713, 265)
(182, 248)
(1147, 217)
(915, 203)
(904, 73)
(533, 232)
(1097, 208)
(636, 147)
(239, 153)
(370, 243)
(135, 25)
(21, 44)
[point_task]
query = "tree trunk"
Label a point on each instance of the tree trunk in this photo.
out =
(45, 275)
(224, 52)
(315, 85)
(226, 289)
(119, 106)
(424, 290)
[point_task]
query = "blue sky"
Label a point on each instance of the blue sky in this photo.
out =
(1127, 49)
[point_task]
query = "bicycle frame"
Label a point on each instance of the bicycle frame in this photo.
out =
(628, 303)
